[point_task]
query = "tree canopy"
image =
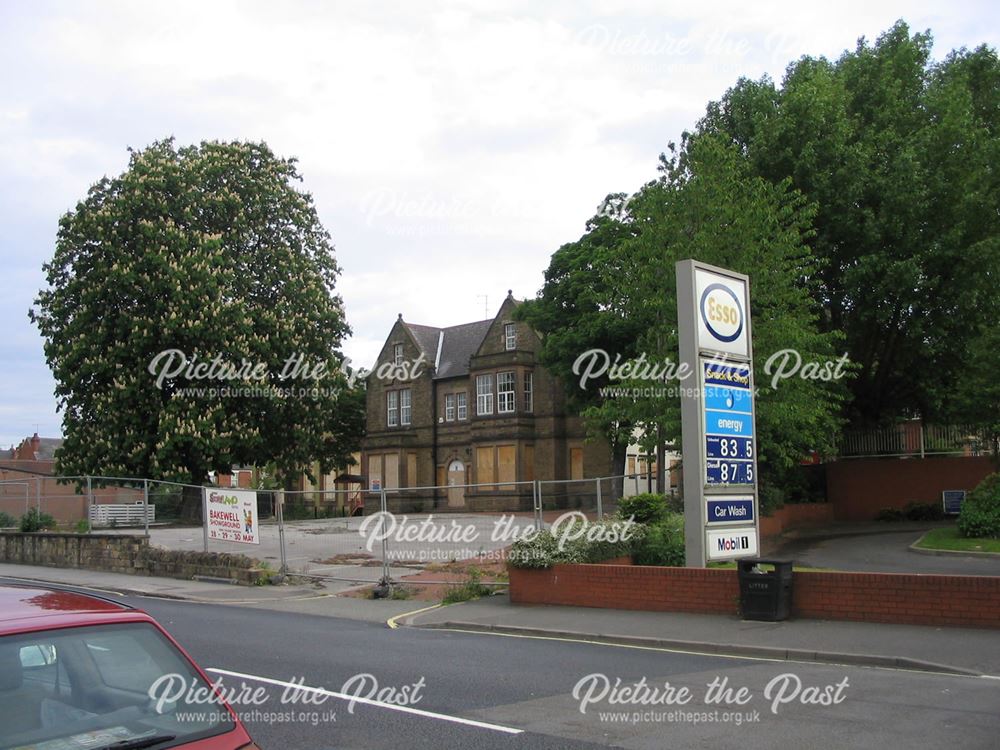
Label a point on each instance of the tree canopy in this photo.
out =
(898, 155)
(212, 255)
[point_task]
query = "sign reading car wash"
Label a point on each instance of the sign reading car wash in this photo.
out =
(719, 438)
(231, 515)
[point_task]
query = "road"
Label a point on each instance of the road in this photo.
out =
(518, 692)
(885, 552)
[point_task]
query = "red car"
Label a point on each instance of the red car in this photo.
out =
(79, 671)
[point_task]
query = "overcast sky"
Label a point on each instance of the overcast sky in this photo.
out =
(450, 147)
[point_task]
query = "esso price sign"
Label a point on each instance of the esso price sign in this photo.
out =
(722, 313)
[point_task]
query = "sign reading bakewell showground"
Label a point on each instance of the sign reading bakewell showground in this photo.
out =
(717, 414)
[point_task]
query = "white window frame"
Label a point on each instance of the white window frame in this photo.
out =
(510, 336)
(484, 395)
(461, 406)
(397, 354)
(405, 407)
(449, 407)
(392, 408)
(529, 392)
(506, 396)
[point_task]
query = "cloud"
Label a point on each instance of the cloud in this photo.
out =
(450, 148)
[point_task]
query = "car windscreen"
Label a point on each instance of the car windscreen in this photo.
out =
(90, 687)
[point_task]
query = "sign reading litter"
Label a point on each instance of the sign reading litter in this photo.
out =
(231, 515)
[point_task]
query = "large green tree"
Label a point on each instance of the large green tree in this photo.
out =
(581, 308)
(708, 205)
(898, 153)
(616, 287)
(212, 255)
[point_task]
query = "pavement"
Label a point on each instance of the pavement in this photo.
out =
(909, 647)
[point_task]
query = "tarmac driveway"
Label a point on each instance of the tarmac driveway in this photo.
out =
(878, 548)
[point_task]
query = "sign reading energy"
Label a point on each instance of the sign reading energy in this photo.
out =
(728, 415)
(719, 437)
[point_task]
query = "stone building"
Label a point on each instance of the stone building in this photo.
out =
(471, 405)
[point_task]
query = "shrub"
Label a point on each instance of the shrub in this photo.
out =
(35, 521)
(980, 514)
(663, 543)
(7, 521)
(470, 589)
(647, 507)
(889, 514)
(770, 499)
(923, 512)
(543, 549)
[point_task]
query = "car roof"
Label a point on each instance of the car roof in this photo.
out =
(24, 608)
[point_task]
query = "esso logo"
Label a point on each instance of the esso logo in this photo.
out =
(722, 312)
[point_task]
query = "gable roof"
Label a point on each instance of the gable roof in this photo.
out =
(426, 338)
(458, 344)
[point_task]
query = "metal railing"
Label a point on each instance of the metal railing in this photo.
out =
(915, 438)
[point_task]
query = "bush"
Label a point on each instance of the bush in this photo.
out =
(542, 549)
(647, 507)
(980, 514)
(663, 543)
(890, 514)
(7, 521)
(923, 512)
(35, 521)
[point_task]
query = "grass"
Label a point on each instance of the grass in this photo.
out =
(948, 538)
(470, 589)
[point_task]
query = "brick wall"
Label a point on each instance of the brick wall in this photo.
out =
(860, 488)
(796, 516)
(971, 601)
(123, 553)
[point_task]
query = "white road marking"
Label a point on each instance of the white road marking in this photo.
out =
(370, 702)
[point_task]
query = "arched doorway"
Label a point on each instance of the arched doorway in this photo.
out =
(456, 478)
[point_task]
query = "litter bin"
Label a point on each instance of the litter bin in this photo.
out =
(765, 588)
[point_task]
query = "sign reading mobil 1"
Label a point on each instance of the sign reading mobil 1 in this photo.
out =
(717, 413)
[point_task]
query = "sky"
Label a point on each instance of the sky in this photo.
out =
(450, 147)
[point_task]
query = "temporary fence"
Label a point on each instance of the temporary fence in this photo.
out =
(396, 529)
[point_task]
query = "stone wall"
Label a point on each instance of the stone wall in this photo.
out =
(121, 553)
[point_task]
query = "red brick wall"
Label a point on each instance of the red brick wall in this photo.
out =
(859, 488)
(628, 587)
(795, 516)
(972, 601)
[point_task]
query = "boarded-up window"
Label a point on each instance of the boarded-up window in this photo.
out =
(391, 471)
(485, 469)
(374, 471)
(442, 476)
(576, 463)
(507, 465)
(529, 463)
(631, 465)
(411, 470)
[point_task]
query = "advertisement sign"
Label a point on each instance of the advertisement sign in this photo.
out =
(722, 313)
(727, 403)
(728, 544)
(735, 509)
(718, 430)
(231, 515)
